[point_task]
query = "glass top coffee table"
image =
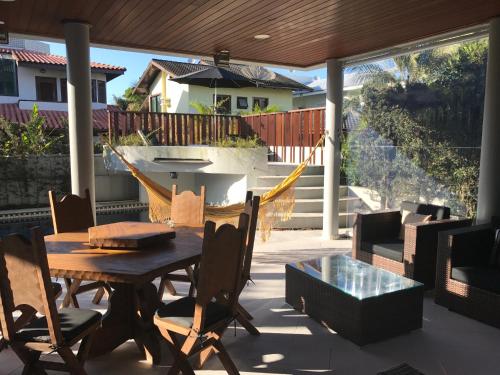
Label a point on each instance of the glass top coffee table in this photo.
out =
(360, 302)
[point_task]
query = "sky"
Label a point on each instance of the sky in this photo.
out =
(136, 63)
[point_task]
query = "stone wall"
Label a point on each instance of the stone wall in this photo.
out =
(24, 182)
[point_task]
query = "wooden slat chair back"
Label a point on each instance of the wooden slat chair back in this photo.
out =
(187, 207)
(219, 280)
(252, 210)
(24, 273)
(73, 214)
(25, 286)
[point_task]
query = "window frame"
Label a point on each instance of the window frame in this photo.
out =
(63, 82)
(242, 106)
(100, 83)
(157, 100)
(227, 105)
(38, 80)
(16, 81)
(258, 99)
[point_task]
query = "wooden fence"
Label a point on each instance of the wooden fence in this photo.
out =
(176, 129)
(289, 135)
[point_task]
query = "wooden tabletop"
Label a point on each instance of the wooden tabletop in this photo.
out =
(70, 256)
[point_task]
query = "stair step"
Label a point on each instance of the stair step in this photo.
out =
(284, 169)
(304, 180)
(313, 221)
(301, 192)
(347, 204)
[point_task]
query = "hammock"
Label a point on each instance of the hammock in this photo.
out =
(276, 205)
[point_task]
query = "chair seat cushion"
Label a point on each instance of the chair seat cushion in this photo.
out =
(57, 288)
(181, 312)
(391, 248)
(72, 321)
(487, 278)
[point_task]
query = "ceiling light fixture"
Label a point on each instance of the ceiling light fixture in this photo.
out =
(262, 36)
(2, 22)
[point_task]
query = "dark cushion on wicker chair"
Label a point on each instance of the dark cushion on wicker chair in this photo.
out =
(487, 278)
(73, 323)
(181, 312)
(391, 249)
(437, 212)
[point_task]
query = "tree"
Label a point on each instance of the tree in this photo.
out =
(130, 101)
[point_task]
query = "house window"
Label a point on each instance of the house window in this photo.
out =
(261, 102)
(98, 91)
(155, 103)
(242, 102)
(8, 76)
(64, 89)
(46, 89)
(101, 92)
(223, 104)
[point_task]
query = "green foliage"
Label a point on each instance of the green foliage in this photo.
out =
(204, 109)
(420, 133)
(130, 101)
(239, 142)
(30, 138)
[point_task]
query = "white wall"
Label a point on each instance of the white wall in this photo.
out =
(280, 97)
(27, 89)
(313, 100)
(181, 95)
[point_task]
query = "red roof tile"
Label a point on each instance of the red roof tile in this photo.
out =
(53, 119)
(44, 58)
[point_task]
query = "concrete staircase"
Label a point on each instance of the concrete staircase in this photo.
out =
(308, 213)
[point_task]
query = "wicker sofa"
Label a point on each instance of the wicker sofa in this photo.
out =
(466, 282)
(376, 240)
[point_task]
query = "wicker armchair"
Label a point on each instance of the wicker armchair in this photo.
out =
(376, 240)
(465, 281)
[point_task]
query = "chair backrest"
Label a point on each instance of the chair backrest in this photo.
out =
(437, 212)
(25, 283)
(252, 210)
(220, 266)
(72, 213)
(187, 207)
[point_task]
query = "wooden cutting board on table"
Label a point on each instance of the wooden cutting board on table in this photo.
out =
(129, 235)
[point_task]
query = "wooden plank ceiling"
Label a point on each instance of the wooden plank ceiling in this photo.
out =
(303, 33)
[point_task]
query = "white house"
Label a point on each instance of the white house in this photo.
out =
(29, 77)
(316, 97)
(165, 95)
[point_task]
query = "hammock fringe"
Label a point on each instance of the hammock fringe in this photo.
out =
(276, 205)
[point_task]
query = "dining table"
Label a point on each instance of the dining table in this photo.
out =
(130, 273)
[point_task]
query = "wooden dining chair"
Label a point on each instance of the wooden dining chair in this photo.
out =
(25, 286)
(252, 210)
(202, 320)
(188, 209)
(72, 214)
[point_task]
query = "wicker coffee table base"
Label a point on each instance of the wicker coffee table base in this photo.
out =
(360, 321)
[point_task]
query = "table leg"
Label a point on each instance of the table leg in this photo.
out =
(130, 316)
(146, 335)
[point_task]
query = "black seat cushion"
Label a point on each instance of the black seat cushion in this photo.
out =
(391, 248)
(73, 322)
(487, 278)
(57, 288)
(181, 312)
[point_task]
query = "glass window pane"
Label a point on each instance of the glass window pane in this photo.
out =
(8, 76)
(64, 90)
(101, 88)
(46, 89)
(94, 91)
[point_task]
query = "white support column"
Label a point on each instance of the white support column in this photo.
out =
(331, 159)
(81, 145)
(488, 203)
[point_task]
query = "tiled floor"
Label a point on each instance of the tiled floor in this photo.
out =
(292, 343)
